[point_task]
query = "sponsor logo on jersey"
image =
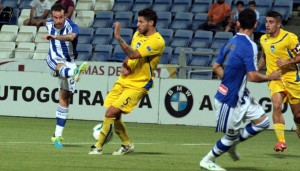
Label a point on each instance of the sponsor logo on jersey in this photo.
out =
(223, 89)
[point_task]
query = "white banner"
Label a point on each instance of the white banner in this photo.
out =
(191, 102)
(171, 101)
(34, 94)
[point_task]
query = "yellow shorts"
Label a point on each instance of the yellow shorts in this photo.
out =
(123, 98)
(290, 88)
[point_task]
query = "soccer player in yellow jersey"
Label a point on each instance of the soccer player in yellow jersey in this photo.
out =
(135, 80)
(280, 52)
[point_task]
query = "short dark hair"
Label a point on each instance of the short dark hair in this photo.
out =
(247, 19)
(57, 7)
(275, 15)
(252, 3)
(239, 3)
(148, 14)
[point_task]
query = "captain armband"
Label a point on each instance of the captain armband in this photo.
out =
(297, 48)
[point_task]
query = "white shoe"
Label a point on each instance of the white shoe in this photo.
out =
(210, 165)
(233, 153)
(124, 150)
(95, 150)
(79, 70)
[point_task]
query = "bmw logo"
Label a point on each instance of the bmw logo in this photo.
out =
(179, 101)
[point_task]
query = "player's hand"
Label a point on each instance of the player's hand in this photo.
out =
(280, 62)
(275, 75)
(125, 71)
(117, 29)
(48, 37)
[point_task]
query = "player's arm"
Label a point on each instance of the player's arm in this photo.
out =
(296, 49)
(125, 70)
(66, 37)
(131, 54)
(255, 76)
(218, 69)
(261, 62)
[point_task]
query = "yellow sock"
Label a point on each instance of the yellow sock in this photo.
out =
(121, 130)
(106, 127)
(279, 131)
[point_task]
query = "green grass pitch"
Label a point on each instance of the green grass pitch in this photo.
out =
(25, 145)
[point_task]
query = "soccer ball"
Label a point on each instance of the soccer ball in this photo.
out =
(96, 133)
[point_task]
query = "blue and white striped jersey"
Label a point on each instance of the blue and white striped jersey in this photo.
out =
(238, 56)
(64, 50)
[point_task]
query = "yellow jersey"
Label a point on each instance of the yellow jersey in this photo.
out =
(282, 47)
(142, 69)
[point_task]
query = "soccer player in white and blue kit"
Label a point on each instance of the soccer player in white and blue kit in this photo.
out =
(237, 62)
(63, 35)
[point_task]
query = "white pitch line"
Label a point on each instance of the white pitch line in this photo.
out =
(84, 143)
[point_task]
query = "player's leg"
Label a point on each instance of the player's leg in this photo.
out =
(127, 102)
(61, 117)
(109, 118)
(67, 88)
(278, 121)
(296, 112)
(67, 72)
(226, 122)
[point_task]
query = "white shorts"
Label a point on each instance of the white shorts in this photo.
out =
(68, 84)
(230, 119)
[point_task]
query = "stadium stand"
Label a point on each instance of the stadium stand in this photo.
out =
(7, 49)
(180, 6)
(182, 38)
(284, 7)
(125, 18)
(123, 5)
(220, 38)
(200, 59)
(41, 51)
(199, 19)
(162, 5)
(118, 54)
(175, 57)
(182, 20)
(84, 18)
(126, 34)
(102, 53)
(141, 4)
(263, 6)
(164, 19)
(24, 50)
(85, 35)
(103, 19)
(167, 34)
(103, 5)
(26, 34)
(202, 39)
(85, 5)
(166, 56)
(200, 6)
(25, 14)
(25, 4)
(200, 74)
(102, 36)
(40, 33)
(84, 52)
(9, 33)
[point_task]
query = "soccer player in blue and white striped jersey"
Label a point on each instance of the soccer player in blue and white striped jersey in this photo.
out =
(237, 62)
(63, 35)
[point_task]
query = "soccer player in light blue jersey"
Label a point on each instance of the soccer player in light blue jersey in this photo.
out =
(63, 35)
(235, 64)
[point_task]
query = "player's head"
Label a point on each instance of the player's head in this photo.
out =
(220, 1)
(273, 22)
(58, 15)
(239, 5)
(247, 19)
(147, 19)
(252, 5)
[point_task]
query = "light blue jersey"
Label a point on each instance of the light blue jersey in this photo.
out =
(62, 50)
(238, 56)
